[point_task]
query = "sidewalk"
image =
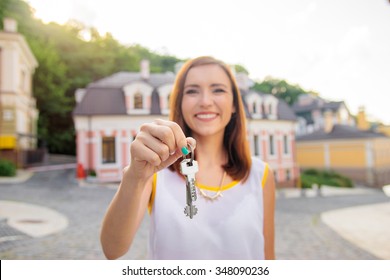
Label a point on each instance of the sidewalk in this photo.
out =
(21, 176)
(368, 227)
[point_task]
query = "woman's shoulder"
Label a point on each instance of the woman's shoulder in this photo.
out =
(258, 164)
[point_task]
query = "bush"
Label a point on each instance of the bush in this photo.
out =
(7, 168)
(324, 177)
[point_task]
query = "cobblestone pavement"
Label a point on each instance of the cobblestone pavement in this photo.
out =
(300, 233)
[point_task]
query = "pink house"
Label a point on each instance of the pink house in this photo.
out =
(110, 111)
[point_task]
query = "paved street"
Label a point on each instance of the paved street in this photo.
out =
(300, 232)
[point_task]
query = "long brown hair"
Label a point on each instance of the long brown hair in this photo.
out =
(234, 140)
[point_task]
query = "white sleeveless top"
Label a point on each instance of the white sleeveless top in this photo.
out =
(230, 227)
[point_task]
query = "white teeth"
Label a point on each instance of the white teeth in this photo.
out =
(206, 116)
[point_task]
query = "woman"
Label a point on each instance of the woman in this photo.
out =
(235, 218)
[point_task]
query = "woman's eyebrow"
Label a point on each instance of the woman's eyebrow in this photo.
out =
(219, 85)
(191, 85)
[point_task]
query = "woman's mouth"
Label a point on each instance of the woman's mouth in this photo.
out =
(206, 116)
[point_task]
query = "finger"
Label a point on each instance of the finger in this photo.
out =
(161, 132)
(160, 148)
(180, 138)
(140, 152)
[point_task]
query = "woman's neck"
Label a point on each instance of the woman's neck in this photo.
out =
(210, 151)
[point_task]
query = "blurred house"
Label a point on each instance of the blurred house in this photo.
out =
(362, 155)
(110, 111)
(18, 111)
(313, 112)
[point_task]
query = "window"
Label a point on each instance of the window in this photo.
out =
(254, 108)
(270, 109)
(8, 115)
(285, 144)
(256, 144)
(108, 150)
(168, 100)
(138, 101)
(271, 145)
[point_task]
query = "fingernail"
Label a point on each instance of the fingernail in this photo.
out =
(185, 151)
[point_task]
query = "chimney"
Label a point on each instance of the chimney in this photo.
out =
(362, 122)
(10, 25)
(243, 81)
(79, 94)
(328, 126)
(145, 73)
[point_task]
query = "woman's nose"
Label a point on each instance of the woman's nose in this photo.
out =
(206, 98)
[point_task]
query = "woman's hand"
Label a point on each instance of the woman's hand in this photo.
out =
(158, 145)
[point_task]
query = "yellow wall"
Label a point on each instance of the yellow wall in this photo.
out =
(341, 154)
(347, 154)
(310, 155)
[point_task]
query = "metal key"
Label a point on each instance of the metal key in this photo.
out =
(189, 167)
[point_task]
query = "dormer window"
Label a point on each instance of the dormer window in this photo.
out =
(254, 101)
(271, 105)
(138, 101)
(138, 98)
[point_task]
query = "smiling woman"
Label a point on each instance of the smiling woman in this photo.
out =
(234, 215)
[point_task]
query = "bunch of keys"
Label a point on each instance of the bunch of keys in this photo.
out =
(189, 167)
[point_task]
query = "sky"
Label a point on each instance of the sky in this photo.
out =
(338, 48)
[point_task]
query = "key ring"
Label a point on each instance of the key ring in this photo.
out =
(192, 153)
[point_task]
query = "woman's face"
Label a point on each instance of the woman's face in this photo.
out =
(207, 104)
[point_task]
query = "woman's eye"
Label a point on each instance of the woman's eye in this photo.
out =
(191, 91)
(219, 90)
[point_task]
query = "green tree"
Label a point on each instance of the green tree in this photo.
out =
(241, 69)
(4, 4)
(280, 88)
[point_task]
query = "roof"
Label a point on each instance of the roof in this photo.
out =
(317, 104)
(106, 96)
(285, 112)
(340, 132)
(102, 101)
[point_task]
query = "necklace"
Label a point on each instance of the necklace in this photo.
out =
(217, 194)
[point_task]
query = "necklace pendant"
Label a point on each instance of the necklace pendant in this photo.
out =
(211, 198)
